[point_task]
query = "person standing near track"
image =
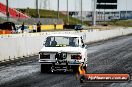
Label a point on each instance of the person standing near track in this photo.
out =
(34, 28)
(39, 26)
(22, 28)
(55, 26)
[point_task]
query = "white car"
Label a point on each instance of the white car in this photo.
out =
(63, 52)
(26, 29)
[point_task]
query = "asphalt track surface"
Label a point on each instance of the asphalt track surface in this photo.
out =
(112, 56)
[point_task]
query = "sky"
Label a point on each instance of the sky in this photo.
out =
(74, 5)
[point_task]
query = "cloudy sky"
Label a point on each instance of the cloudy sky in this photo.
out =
(73, 4)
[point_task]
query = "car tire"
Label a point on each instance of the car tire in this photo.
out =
(75, 69)
(45, 68)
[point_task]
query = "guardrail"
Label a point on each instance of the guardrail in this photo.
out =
(21, 45)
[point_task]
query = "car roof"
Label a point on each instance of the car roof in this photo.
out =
(65, 35)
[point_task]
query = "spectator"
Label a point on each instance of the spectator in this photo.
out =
(55, 26)
(22, 28)
(34, 28)
(39, 26)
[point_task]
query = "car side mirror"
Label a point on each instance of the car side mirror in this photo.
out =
(84, 46)
(44, 43)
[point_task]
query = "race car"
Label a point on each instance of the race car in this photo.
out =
(62, 52)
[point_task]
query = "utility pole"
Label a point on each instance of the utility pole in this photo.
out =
(81, 14)
(37, 10)
(49, 4)
(40, 4)
(7, 10)
(75, 5)
(67, 11)
(58, 2)
(45, 4)
(28, 10)
(126, 9)
(94, 13)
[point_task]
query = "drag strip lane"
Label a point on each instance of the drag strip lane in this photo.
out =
(112, 56)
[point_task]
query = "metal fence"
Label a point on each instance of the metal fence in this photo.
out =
(32, 21)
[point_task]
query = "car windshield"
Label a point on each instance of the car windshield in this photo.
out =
(61, 41)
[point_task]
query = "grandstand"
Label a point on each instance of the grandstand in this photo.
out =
(12, 12)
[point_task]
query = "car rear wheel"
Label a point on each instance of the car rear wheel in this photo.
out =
(45, 68)
(75, 69)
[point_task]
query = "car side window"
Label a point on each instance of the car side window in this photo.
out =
(48, 41)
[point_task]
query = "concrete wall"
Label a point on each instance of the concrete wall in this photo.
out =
(21, 45)
(48, 27)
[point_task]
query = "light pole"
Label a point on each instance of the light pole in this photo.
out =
(7, 10)
(67, 11)
(58, 2)
(81, 13)
(94, 13)
(49, 4)
(37, 10)
(126, 9)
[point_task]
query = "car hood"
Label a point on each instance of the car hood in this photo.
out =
(62, 49)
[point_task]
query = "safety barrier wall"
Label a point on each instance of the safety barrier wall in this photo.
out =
(47, 27)
(20, 45)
